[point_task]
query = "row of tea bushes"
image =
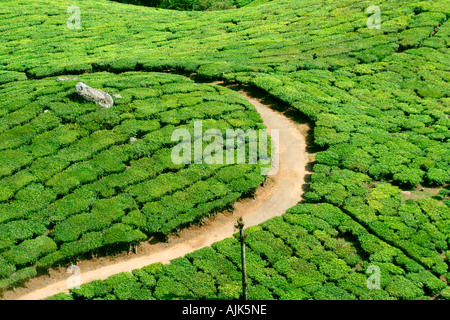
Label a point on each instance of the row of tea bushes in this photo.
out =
(312, 252)
(82, 186)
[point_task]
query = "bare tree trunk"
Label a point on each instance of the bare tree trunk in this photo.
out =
(240, 226)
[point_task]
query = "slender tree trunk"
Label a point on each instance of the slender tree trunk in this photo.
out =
(240, 225)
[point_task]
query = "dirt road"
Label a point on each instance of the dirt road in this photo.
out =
(280, 192)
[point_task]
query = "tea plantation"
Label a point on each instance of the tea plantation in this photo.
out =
(72, 182)
(312, 252)
(76, 178)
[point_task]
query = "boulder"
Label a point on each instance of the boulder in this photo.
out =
(101, 98)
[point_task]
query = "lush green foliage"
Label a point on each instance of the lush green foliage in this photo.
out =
(187, 5)
(378, 98)
(312, 252)
(73, 182)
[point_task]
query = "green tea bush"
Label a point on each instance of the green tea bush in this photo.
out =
(8, 76)
(126, 287)
(30, 250)
(91, 290)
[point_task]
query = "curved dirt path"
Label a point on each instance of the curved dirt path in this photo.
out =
(280, 192)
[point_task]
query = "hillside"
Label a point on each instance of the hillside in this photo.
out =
(378, 101)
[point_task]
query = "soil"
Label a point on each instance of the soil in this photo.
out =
(279, 192)
(421, 192)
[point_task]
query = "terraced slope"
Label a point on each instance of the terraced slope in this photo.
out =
(312, 252)
(280, 191)
(379, 99)
(76, 178)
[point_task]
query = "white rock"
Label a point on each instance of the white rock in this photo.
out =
(101, 98)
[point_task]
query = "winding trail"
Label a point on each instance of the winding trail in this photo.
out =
(280, 192)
